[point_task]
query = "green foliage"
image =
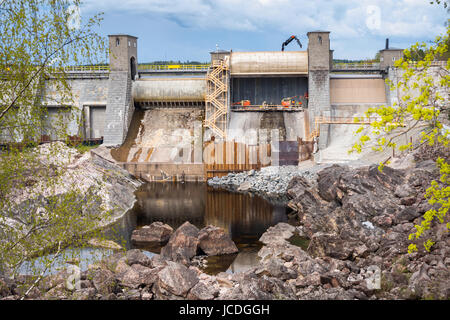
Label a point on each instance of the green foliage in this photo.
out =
(422, 107)
(438, 193)
(81, 148)
(43, 207)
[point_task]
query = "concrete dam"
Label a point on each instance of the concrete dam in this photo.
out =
(244, 110)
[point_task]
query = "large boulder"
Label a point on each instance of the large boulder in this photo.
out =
(277, 234)
(175, 281)
(136, 256)
(137, 275)
(103, 280)
(204, 290)
(215, 241)
(182, 245)
(248, 286)
(155, 234)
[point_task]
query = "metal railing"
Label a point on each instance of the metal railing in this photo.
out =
(103, 68)
(416, 64)
(356, 66)
(152, 67)
(174, 67)
(204, 67)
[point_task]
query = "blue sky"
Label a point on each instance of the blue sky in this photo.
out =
(189, 30)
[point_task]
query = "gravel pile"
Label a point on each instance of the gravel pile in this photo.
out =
(270, 182)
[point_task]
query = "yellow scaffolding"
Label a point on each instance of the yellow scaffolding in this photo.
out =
(216, 98)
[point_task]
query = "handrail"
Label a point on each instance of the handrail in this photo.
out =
(156, 67)
(414, 64)
(79, 68)
(175, 67)
(356, 65)
(204, 67)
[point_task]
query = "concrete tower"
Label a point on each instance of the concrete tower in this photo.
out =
(123, 71)
(319, 65)
(123, 53)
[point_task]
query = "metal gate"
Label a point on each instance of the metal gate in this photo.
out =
(97, 119)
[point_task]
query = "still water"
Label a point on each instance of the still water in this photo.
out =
(244, 217)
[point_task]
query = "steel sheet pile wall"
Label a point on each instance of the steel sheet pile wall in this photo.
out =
(225, 157)
(269, 63)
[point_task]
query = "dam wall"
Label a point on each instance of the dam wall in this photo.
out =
(266, 127)
(166, 116)
(163, 135)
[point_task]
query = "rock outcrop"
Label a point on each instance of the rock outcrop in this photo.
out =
(182, 245)
(101, 191)
(188, 241)
(157, 233)
(361, 218)
(357, 221)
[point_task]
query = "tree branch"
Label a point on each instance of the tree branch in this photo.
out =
(37, 72)
(43, 272)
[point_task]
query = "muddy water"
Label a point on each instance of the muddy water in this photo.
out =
(243, 216)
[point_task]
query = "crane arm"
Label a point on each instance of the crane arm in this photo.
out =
(289, 41)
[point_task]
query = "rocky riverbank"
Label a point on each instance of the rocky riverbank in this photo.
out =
(169, 275)
(338, 264)
(357, 221)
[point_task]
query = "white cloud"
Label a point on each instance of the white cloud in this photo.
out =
(403, 18)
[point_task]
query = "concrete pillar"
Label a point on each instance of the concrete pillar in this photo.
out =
(87, 122)
(319, 65)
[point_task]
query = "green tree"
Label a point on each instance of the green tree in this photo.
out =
(42, 208)
(423, 106)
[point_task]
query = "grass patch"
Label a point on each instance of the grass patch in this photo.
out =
(81, 148)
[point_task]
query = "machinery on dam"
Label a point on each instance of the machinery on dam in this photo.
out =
(252, 106)
(289, 40)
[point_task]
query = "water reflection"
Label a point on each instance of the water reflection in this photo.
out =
(243, 216)
(85, 256)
